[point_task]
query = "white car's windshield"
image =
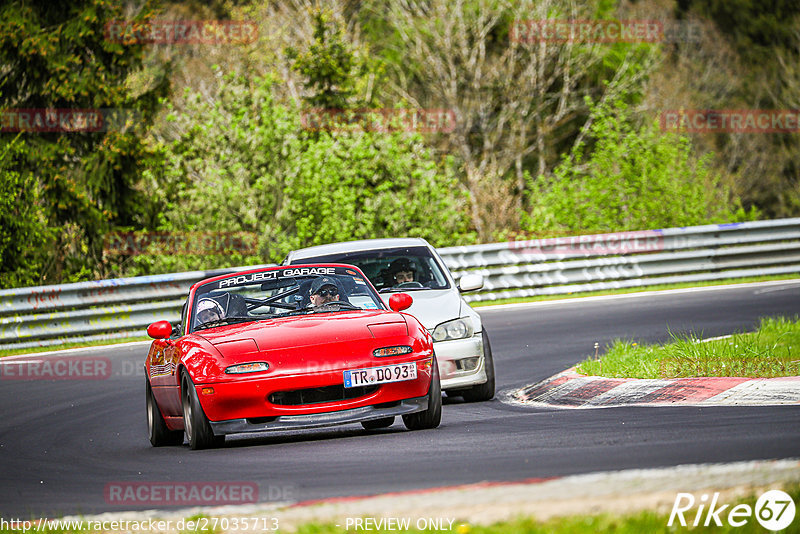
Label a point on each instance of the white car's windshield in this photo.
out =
(281, 292)
(392, 269)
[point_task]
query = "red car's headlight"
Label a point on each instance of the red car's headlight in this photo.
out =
(392, 351)
(242, 368)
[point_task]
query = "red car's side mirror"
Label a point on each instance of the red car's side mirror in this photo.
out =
(159, 330)
(400, 301)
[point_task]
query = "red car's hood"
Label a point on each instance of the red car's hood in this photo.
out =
(310, 330)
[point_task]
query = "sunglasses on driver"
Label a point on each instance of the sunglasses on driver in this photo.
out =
(327, 291)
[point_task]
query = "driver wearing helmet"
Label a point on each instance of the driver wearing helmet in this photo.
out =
(402, 271)
(209, 310)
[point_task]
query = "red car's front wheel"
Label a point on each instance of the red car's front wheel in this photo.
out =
(195, 422)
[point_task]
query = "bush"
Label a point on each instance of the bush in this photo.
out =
(24, 234)
(633, 179)
(246, 164)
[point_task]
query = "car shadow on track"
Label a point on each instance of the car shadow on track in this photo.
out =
(308, 436)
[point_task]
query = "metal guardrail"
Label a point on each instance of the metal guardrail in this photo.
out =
(94, 311)
(629, 259)
(123, 307)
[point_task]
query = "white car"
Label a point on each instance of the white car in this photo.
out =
(461, 344)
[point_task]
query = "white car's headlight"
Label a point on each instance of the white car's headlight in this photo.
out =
(456, 329)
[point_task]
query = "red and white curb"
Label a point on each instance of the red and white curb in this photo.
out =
(572, 390)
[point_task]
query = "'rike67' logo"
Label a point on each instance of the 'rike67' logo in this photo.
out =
(774, 510)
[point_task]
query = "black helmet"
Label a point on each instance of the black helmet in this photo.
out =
(401, 265)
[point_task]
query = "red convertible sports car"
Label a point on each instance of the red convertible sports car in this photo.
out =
(288, 348)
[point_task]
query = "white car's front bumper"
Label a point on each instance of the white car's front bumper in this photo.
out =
(461, 362)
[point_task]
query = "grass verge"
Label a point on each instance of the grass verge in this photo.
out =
(637, 523)
(773, 350)
(35, 350)
(640, 289)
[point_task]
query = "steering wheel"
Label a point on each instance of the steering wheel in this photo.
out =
(409, 285)
(341, 303)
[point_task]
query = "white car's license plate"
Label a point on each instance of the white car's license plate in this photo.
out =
(380, 375)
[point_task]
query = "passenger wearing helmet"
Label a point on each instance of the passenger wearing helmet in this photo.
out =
(209, 310)
(402, 271)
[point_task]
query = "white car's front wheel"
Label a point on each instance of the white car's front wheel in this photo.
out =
(431, 417)
(485, 391)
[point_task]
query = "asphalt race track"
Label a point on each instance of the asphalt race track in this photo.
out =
(62, 442)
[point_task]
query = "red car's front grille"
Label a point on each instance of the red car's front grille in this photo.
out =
(318, 395)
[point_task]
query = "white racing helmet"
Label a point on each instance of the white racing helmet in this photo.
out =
(209, 310)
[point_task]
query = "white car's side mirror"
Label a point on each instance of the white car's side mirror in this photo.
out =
(470, 282)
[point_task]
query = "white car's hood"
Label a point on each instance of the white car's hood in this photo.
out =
(432, 307)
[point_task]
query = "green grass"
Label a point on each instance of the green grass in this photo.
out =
(772, 351)
(623, 291)
(34, 350)
(636, 523)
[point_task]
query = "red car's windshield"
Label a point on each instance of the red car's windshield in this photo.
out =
(281, 292)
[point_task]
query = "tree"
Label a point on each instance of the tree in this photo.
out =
(24, 234)
(514, 98)
(246, 164)
(58, 56)
(747, 59)
(338, 75)
(634, 178)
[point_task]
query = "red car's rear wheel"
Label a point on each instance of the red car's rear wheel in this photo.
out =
(157, 429)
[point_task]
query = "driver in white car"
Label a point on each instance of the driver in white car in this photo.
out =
(402, 270)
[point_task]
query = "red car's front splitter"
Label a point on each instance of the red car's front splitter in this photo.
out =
(316, 420)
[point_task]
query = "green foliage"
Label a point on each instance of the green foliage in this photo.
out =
(248, 165)
(337, 74)
(243, 161)
(369, 185)
(755, 27)
(24, 234)
(58, 57)
(633, 179)
(762, 74)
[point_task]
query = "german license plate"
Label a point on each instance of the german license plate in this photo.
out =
(380, 375)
